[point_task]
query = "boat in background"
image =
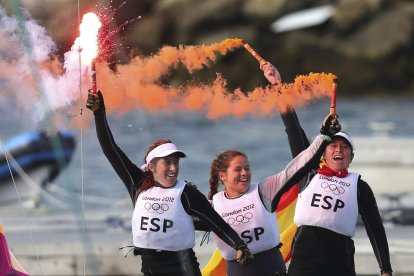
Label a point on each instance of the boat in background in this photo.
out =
(29, 161)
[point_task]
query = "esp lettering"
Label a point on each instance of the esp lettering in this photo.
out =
(327, 202)
(154, 224)
(256, 234)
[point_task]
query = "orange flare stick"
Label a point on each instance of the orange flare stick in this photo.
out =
(93, 77)
(332, 110)
(254, 54)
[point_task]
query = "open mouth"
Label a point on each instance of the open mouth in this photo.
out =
(338, 158)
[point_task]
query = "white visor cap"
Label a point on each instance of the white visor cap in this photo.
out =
(346, 137)
(162, 151)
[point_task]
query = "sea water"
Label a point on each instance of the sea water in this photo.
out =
(263, 139)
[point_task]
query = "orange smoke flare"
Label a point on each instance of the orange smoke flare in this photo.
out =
(93, 77)
(254, 53)
(332, 110)
(137, 86)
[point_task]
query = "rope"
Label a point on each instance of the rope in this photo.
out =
(81, 151)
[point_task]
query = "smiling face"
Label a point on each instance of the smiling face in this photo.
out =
(166, 169)
(237, 177)
(338, 154)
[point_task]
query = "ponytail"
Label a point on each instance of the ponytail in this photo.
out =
(214, 179)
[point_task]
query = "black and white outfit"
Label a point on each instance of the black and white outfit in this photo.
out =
(252, 215)
(326, 213)
(162, 222)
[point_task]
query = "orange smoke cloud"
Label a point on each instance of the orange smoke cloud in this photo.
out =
(135, 86)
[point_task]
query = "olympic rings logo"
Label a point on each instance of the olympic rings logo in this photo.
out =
(156, 207)
(239, 219)
(336, 190)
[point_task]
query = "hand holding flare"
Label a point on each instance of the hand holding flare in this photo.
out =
(333, 117)
(332, 110)
(273, 76)
(93, 89)
(271, 73)
(95, 100)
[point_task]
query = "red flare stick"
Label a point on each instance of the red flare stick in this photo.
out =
(93, 77)
(253, 52)
(332, 110)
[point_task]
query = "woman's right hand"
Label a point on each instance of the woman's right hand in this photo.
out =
(271, 73)
(243, 255)
(95, 102)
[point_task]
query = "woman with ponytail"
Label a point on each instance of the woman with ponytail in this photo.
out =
(164, 207)
(249, 207)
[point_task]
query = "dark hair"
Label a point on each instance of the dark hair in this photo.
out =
(149, 181)
(221, 164)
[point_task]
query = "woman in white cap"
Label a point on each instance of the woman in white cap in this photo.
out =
(250, 207)
(164, 206)
(329, 201)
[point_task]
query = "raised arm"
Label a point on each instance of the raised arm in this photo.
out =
(275, 185)
(129, 173)
(298, 141)
(296, 135)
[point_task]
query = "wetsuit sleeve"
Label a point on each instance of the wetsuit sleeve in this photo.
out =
(298, 142)
(197, 205)
(129, 173)
(272, 188)
(370, 215)
(297, 139)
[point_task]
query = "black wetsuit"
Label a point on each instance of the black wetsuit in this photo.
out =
(319, 251)
(194, 203)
